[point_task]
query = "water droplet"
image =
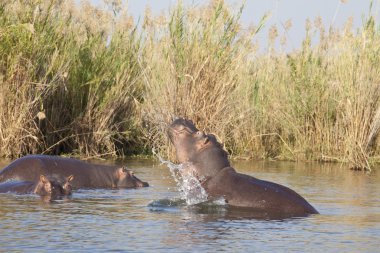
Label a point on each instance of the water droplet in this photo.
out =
(188, 185)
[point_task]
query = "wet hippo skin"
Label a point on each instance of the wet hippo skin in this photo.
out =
(43, 187)
(204, 157)
(86, 175)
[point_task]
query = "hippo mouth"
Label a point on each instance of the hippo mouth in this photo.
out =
(182, 127)
(141, 184)
(179, 126)
(137, 182)
(173, 133)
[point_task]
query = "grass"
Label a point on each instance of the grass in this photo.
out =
(87, 81)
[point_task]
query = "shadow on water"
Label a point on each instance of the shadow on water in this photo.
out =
(214, 210)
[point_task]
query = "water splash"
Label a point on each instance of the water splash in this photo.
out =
(188, 185)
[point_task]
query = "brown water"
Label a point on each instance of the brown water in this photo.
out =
(153, 219)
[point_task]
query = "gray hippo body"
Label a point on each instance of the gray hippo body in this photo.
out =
(203, 156)
(43, 187)
(86, 175)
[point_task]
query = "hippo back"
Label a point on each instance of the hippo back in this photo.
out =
(30, 168)
(22, 187)
(86, 175)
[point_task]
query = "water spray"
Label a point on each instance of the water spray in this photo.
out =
(189, 186)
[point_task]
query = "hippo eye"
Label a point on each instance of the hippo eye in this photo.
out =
(200, 133)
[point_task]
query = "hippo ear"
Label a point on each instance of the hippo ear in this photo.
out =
(124, 171)
(127, 171)
(43, 179)
(121, 171)
(70, 178)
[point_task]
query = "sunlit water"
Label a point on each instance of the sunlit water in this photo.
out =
(158, 218)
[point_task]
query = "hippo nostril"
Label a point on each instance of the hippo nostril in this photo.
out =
(141, 184)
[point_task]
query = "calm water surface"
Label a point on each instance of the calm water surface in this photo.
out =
(153, 219)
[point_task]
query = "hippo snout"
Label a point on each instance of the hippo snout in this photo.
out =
(141, 184)
(181, 124)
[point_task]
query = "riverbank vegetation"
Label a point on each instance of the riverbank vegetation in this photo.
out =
(82, 80)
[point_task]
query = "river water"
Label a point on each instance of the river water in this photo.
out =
(154, 219)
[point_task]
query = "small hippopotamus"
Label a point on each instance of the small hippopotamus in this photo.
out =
(204, 157)
(86, 175)
(44, 187)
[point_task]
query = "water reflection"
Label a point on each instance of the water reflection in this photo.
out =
(155, 219)
(213, 210)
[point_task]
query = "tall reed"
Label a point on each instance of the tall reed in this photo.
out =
(317, 103)
(192, 67)
(323, 100)
(68, 86)
(85, 80)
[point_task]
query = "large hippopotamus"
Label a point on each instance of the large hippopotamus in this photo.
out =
(86, 175)
(204, 157)
(44, 187)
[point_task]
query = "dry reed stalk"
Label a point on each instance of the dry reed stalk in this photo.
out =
(115, 95)
(193, 72)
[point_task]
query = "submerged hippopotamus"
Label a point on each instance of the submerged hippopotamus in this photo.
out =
(44, 187)
(86, 175)
(204, 157)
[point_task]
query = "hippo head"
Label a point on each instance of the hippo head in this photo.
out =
(67, 188)
(200, 149)
(53, 188)
(126, 179)
(186, 139)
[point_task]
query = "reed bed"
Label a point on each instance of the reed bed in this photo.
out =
(88, 81)
(67, 85)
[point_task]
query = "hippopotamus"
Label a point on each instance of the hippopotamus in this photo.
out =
(44, 187)
(86, 175)
(204, 157)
